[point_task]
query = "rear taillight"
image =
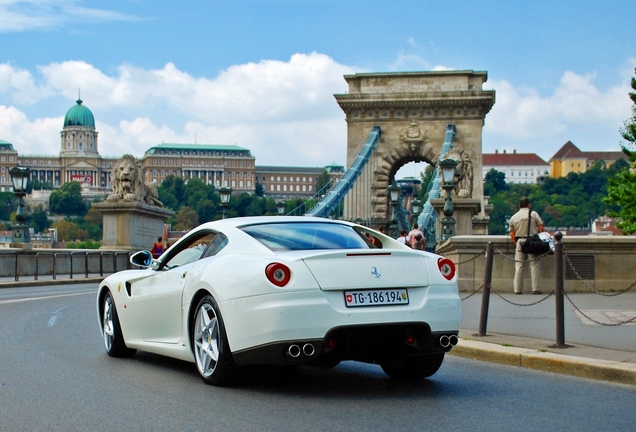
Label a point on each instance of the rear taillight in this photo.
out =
(446, 268)
(278, 274)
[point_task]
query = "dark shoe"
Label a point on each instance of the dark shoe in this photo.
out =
(518, 293)
(537, 292)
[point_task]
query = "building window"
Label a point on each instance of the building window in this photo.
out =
(163, 162)
(154, 161)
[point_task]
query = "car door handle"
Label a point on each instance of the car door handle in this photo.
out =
(184, 275)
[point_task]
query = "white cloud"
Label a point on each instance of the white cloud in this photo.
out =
(576, 102)
(284, 112)
(23, 15)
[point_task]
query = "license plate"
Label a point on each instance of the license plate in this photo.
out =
(376, 297)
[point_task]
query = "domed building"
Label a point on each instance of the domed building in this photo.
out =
(79, 159)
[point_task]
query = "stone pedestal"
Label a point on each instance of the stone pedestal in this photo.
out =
(131, 225)
(463, 211)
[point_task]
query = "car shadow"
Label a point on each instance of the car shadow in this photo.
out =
(349, 379)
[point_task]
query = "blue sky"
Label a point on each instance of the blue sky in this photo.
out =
(261, 74)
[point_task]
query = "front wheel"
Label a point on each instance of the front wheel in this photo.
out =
(111, 330)
(414, 368)
(211, 349)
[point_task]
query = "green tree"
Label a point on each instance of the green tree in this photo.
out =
(495, 181)
(69, 231)
(8, 205)
(186, 219)
(259, 190)
(621, 190)
(39, 220)
(68, 200)
(323, 181)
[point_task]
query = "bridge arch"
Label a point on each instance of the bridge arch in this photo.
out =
(413, 110)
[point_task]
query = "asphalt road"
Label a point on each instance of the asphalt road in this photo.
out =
(55, 376)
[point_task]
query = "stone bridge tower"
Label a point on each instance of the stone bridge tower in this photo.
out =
(413, 110)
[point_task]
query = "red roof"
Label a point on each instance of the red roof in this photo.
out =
(517, 159)
(569, 150)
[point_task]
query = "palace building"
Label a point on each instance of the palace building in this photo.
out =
(215, 164)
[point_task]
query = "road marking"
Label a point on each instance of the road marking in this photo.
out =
(609, 316)
(45, 297)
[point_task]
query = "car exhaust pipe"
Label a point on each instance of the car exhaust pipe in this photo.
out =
(293, 351)
(444, 341)
(308, 349)
(453, 340)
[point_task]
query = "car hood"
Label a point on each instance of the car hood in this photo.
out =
(357, 269)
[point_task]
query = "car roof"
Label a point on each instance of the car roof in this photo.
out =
(253, 220)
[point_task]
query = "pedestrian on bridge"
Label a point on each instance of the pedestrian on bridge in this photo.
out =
(402, 237)
(519, 225)
(410, 239)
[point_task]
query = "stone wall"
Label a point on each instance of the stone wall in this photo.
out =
(607, 263)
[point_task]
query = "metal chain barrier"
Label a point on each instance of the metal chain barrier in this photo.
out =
(538, 257)
(483, 252)
(521, 304)
(578, 276)
(473, 293)
(595, 321)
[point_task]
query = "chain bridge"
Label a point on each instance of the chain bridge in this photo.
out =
(397, 118)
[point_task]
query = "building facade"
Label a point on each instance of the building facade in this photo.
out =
(8, 158)
(79, 159)
(217, 165)
(283, 182)
(517, 167)
(569, 158)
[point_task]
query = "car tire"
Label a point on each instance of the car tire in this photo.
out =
(111, 330)
(414, 368)
(209, 341)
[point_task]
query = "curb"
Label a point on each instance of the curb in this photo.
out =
(605, 370)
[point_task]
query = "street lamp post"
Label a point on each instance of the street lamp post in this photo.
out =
(225, 193)
(280, 207)
(20, 179)
(448, 183)
(394, 195)
(416, 206)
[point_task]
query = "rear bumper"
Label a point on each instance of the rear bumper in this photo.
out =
(376, 343)
(261, 329)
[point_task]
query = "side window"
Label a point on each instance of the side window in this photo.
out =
(188, 251)
(215, 247)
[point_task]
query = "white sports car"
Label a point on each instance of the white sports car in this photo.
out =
(284, 291)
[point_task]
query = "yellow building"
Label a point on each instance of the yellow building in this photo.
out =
(570, 158)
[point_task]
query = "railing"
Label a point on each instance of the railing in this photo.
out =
(72, 264)
(334, 197)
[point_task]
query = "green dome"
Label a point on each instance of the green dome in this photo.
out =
(79, 115)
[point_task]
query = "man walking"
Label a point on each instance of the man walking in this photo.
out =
(519, 232)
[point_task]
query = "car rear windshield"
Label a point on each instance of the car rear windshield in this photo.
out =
(306, 236)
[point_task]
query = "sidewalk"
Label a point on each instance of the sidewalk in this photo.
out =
(526, 335)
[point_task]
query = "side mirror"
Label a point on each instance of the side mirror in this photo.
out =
(141, 258)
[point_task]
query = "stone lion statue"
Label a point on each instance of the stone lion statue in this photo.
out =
(128, 185)
(463, 172)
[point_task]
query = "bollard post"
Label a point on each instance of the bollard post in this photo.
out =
(558, 291)
(485, 293)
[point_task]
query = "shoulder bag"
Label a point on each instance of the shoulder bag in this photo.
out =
(534, 245)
